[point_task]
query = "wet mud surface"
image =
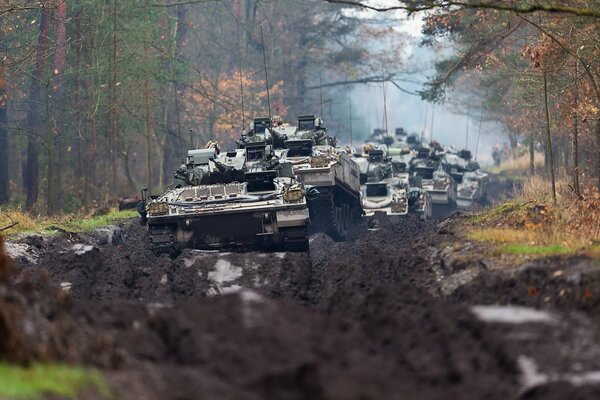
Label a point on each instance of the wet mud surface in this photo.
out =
(385, 315)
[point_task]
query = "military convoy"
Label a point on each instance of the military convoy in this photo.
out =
(283, 179)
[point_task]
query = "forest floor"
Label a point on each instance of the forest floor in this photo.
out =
(411, 310)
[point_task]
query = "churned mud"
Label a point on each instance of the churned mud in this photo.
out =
(389, 314)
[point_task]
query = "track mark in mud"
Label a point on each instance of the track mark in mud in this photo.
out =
(24, 251)
(512, 315)
(80, 248)
(224, 272)
(532, 376)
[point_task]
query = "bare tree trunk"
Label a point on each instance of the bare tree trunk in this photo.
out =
(575, 147)
(33, 114)
(51, 182)
(113, 114)
(532, 152)
(92, 150)
(549, 139)
(4, 176)
(55, 160)
(148, 120)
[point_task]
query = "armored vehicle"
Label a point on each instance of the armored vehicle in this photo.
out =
(244, 198)
(317, 162)
(385, 185)
(381, 190)
(428, 174)
(258, 132)
(471, 180)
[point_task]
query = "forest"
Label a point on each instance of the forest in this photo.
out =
(102, 98)
(300, 199)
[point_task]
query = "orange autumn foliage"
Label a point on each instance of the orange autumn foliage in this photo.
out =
(215, 105)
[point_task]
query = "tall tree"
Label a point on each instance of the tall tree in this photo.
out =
(4, 145)
(34, 123)
(55, 159)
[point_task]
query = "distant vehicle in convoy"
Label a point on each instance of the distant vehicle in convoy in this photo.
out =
(429, 175)
(381, 190)
(471, 180)
(317, 162)
(386, 187)
(244, 198)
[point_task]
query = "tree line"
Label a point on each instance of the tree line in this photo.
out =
(99, 98)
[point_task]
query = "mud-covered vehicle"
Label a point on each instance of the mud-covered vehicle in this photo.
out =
(470, 179)
(427, 174)
(381, 190)
(317, 162)
(386, 187)
(244, 198)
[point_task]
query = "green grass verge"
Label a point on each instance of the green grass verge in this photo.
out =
(89, 224)
(30, 224)
(39, 380)
(525, 249)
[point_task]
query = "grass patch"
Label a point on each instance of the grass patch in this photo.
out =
(532, 225)
(88, 224)
(28, 223)
(39, 380)
(495, 214)
(527, 249)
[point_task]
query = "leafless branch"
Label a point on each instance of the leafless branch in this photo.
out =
(419, 6)
(12, 223)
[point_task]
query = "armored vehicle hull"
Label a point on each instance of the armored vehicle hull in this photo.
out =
(384, 197)
(191, 217)
(336, 177)
(245, 198)
(317, 162)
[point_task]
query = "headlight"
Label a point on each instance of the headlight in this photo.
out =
(157, 208)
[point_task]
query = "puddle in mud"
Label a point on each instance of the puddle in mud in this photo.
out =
(531, 376)
(512, 315)
(81, 249)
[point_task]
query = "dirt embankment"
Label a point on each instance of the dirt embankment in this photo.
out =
(370, 318)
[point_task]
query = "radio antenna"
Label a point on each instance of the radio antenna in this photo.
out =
(479, 133)
(321, 91)
(262, 37)
(425, 122)
(385, 121)
(350, 115)
(468, 120)
(241, 76)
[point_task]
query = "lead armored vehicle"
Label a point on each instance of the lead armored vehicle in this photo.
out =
(317, 162)
(244, 198)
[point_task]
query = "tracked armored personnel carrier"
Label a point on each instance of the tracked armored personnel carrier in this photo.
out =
(381, 190)
(470, 179)
(386, 187)
(245, 198)
(317, 162)
(428, 174)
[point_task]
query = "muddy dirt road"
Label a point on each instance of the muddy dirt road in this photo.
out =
(394, 313)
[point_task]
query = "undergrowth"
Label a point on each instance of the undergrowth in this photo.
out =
(532, 225)
(27, 223)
